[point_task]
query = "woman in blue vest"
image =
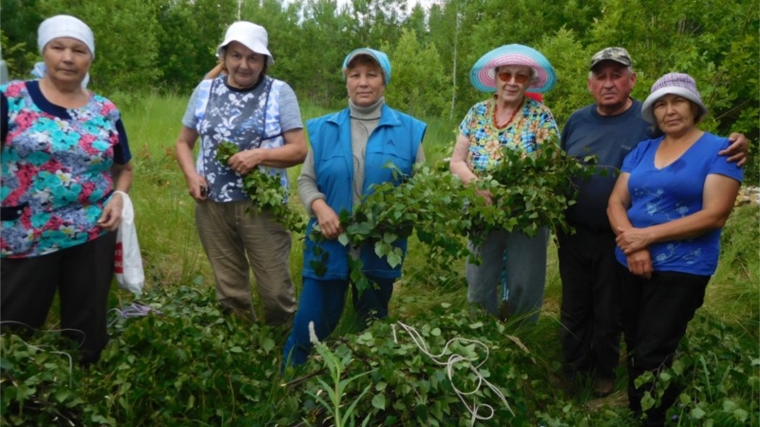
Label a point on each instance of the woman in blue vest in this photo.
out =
(349, 153)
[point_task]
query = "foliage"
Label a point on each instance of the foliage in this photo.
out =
(171, 43)
(265, 191)
(414, 88)
(529, 191)
(718, 378)
(336, 367)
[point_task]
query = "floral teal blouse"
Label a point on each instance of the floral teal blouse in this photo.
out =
(56, 169)
(532, 126)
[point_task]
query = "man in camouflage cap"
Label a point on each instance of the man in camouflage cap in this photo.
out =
(616, 54)
(609, 129)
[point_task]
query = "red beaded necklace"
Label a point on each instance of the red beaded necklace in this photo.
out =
(496, 118)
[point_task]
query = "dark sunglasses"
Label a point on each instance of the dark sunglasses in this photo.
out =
(506, 76)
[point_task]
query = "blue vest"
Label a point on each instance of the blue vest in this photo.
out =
(396, 139)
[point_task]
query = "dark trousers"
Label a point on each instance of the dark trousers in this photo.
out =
(322, 302)
(590, 312)
(81, 274)
(655, 315)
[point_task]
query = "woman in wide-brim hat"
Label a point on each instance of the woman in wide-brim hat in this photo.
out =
(507, 119)
(673, 196)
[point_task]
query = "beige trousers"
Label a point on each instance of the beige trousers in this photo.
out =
(236, 242)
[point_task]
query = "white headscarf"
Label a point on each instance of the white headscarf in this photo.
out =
(63, 26)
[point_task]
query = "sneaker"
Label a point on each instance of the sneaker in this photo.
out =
(603, 387)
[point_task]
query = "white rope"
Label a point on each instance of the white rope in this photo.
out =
(42, 350)
(451, 362)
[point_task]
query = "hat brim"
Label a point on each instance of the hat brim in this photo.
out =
(483, 75)
(647, 108)
(247, 42)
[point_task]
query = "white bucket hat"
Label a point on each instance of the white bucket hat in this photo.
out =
(250, 35)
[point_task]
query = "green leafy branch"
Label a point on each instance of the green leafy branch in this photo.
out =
(265, 191)
(528, 191)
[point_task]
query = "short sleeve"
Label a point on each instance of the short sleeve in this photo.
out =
(721, 166)
(548, 123)
(121, 152)
(290, 114)
(190, 120)
(464, 127)
(4, 112)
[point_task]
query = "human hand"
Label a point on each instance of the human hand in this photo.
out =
(640, 263)
(198, 187)
(633, 239)
(111, 216)
(486, 194)
(737, 151)
(328, 220)
(244, 161)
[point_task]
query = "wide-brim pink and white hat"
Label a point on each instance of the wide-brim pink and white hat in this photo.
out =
(483, 75)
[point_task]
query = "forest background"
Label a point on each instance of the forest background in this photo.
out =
(167, 45)
(192, 366)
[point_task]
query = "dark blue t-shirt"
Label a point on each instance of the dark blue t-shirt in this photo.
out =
(662, 195)
(609, 138)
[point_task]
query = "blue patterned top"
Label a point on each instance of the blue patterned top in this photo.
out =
(530, 128)
(675, 191)
(56, 169)
(250, 118)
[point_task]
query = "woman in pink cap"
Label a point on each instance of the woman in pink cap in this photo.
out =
(260, 115)
(672, 198)
(513, 120)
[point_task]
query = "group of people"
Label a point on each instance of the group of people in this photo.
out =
(646, 240)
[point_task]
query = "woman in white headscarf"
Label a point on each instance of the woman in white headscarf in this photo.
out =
(65, 161)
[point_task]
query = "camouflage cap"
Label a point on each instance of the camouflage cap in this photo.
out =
(617, 54)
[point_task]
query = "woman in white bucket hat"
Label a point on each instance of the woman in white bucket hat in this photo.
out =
(261, 116)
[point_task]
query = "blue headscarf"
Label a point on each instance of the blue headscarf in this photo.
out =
(380, 57)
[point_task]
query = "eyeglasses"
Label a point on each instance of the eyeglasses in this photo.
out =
(506, 76)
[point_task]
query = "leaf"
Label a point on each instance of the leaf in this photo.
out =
(267, 344)
(61, 394)
(236, 349)
(379, 401)
(697, 413)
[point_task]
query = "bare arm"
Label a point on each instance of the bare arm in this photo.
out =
(184, 147)
(639, 262)
(458, 165)
(292, 153)
(122, 181)
(718, 198)
(618, 204)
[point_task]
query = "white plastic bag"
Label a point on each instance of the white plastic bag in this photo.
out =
(128, 264)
